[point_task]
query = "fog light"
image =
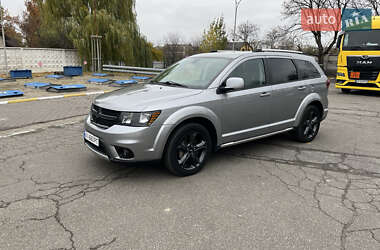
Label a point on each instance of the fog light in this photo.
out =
(124, 153)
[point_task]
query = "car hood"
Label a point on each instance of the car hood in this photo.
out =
(139, 97)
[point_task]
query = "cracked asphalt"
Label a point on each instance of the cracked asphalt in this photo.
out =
(269, 194)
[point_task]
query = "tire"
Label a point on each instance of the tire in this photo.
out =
(187, 150)
(346, 91)
(309, 125)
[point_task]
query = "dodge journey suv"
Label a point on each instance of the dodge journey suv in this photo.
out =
(207, 102)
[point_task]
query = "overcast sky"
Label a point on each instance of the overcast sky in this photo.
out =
(157, 18)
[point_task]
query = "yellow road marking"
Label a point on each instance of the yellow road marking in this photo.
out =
(23, 100)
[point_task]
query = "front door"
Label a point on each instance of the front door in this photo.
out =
(246, 112)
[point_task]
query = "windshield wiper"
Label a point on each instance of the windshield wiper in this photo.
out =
(170, 83)
(154, 82)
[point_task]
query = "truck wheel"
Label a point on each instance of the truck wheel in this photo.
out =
(346, 91)
(188, 150)
(309, 126)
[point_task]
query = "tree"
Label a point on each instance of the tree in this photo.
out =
(249, 34)
(215, 38)
(279, 38)
(12, 36)
(273, 37)
(115, 20)
(292, 9)
(373, 4)
(31, 24)
(171, 49)
(195, 45)
(157, 53)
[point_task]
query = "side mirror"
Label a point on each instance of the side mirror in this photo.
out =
(232, 83)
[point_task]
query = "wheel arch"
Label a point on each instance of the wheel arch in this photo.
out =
(312, 99)
(200, 115)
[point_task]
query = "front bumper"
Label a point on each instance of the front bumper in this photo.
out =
(344, 82)
(349, 84)
(146, 143)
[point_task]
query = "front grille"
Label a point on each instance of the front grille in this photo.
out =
(104, 118)
(363, 63)
(367, 75)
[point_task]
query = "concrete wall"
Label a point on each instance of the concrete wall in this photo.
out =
(38, 60)
(330, 65)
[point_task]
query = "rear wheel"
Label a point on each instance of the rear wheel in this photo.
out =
(309, 126)
(346, 91)
(188, 150)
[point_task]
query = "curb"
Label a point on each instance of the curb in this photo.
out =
(53, 97)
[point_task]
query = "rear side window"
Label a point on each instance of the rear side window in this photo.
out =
(282, 70)
(306, 70)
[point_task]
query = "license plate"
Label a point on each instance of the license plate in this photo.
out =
(91, 138)
(361, 81)
(355, 75)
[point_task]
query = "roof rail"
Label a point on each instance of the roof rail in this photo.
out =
(280, 50)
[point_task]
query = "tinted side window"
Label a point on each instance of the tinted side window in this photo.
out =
(282, 70)
(252, 72)
(307, 70)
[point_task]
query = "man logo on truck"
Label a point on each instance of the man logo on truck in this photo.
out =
(364, 62)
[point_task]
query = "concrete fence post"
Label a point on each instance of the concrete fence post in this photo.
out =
(21, 53)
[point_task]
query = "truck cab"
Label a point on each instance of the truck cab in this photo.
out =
(359, 59)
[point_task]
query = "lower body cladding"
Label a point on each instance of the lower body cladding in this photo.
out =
(126, 144)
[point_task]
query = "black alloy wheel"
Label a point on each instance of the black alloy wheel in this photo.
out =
(188, 150)
(309, 126)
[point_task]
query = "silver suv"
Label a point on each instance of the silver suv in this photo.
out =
(207, 102)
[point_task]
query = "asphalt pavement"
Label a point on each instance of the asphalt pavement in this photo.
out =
(269, 194)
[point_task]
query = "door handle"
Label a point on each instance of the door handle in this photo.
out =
(302, 88)
(265, 94)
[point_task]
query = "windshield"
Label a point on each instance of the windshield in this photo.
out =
(362, 40)
(193, 72)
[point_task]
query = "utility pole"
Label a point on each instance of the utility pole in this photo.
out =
(237, 3)
(3, 32)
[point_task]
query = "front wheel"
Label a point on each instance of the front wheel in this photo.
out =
(346, 91)
(309, 126)
(188, 150)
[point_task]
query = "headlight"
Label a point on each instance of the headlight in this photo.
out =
(143, 119)
(126, 118)
(340, 74)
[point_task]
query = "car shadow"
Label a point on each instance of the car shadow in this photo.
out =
(156, 169)
(364, 93)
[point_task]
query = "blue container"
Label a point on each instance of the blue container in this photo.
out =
(19, 74)
(10, 93)
(73, 70)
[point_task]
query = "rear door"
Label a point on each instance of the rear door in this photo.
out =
(288, 91)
